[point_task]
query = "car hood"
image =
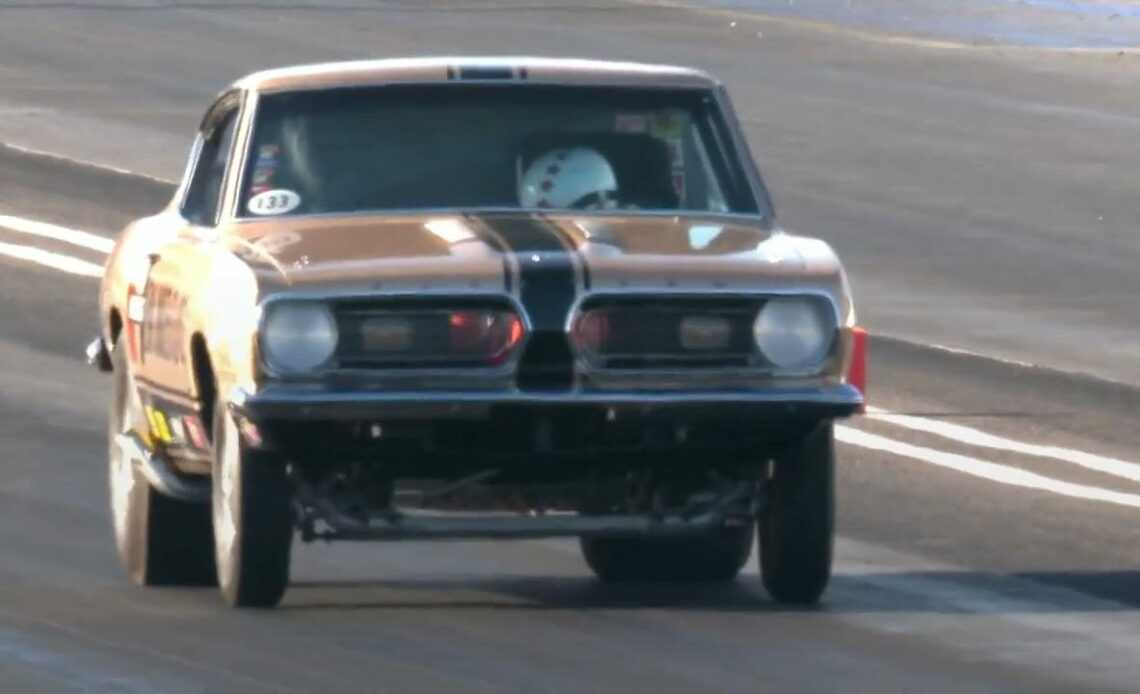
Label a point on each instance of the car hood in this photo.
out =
(484, 251)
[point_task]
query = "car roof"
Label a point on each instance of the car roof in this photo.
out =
(568, 71)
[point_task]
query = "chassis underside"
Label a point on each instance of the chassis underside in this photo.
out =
(519, 474)
(527, 476)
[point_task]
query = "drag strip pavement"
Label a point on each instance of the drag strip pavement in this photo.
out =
(977, 549)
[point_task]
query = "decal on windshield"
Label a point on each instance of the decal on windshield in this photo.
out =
(264, 169)
(668, 124)
(631, 123)
(274, 202)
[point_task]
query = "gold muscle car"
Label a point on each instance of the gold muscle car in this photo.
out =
(475, 298)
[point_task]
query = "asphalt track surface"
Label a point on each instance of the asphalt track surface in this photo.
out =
(988, 538)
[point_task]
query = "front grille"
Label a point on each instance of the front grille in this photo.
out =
(647, 334)
(428, 344)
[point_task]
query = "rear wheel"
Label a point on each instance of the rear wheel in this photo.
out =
(797, 521)
(160, 540)
(715, 559)
(253, 519)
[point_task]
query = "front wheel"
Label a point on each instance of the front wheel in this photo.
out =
(797, 521)
(253, 520)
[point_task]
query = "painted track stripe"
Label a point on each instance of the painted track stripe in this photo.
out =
(1003, 474)
(64, 263)
(84, 162)
(75, 237)
(974, 437)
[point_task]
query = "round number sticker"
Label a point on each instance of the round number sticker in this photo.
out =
(273, 202)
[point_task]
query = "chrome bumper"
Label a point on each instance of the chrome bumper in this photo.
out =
(294, 403)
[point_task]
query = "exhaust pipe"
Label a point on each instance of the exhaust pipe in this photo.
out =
(158, 470)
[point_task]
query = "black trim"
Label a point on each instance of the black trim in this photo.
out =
(485, 73)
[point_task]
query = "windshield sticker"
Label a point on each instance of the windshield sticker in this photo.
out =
(631, 123)
(274, 202)
(265, 168)
(668, 124)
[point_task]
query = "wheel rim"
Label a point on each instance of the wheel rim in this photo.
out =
(226, 492)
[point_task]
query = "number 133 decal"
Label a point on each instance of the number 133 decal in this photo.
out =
(274, 202)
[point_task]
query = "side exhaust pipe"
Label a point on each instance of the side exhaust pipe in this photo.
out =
(158, 470)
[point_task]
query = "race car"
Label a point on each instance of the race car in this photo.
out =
(449, 298)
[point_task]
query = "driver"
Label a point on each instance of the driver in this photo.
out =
(572, 178)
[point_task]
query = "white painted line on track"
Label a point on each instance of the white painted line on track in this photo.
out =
(975, 437)
(971, 353)
(64, 263)
(1003, 474)
(75, 237)
(84, 162)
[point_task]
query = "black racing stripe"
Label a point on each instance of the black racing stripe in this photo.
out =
(546, 272)
(571, 244)
(547, 289)
(494, 240)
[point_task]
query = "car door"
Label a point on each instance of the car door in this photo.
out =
(178, 264)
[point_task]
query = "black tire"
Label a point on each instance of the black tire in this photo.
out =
(797, 521)
(716, 559)
(251, 496)
(161, 541)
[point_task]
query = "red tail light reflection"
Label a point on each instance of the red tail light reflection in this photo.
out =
(492, 334)
(591, 330)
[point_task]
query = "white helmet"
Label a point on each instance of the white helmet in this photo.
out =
(567, 178)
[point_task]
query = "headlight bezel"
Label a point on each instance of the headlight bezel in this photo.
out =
(823, 313)
(758, 369)
(273, 365)
(337, 303)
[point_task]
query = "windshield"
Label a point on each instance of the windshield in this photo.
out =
(490, 146)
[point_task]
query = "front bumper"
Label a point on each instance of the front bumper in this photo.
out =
(283, 402)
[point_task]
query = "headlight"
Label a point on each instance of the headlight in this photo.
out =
(298, 336)
(794, 332)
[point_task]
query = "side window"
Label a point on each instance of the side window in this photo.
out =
(203, 197)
